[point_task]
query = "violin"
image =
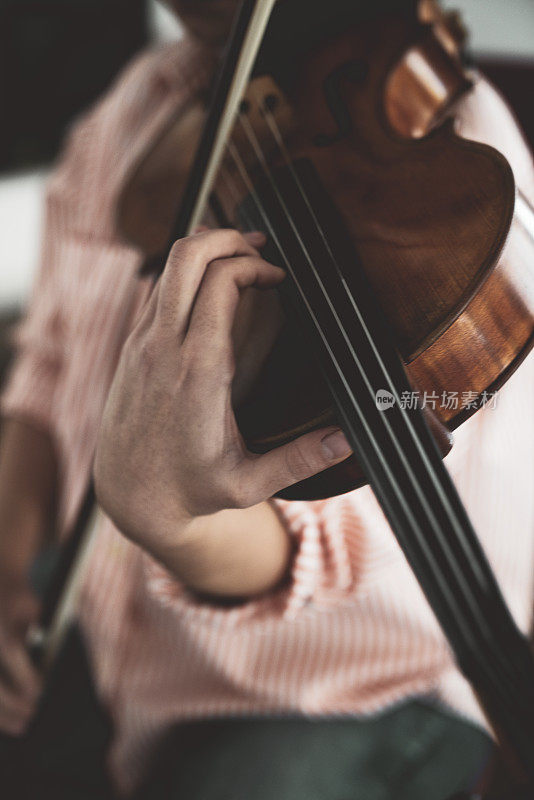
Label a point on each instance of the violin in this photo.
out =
(408, 253)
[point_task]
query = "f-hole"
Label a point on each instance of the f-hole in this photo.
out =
(354, 71)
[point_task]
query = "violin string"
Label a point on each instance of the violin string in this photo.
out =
(470, 556)
(263, 162)
(247, 181)
(233, 191)
(265, 217)
(271, 122)
(278, 138)
(245, 177)
(458, 617)
(468, 578)
(251, 135)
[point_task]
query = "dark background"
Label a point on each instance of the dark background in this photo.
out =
(56, 56)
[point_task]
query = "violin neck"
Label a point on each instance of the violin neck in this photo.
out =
(393, 444)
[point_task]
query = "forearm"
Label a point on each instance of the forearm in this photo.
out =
(237, 553)
(28, 488)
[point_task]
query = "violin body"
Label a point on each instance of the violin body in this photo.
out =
(443, 236)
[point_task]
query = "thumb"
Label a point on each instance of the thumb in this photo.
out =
(296, 461)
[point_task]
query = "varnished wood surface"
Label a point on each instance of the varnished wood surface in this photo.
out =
(433, 219)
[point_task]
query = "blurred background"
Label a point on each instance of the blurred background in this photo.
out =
(57, 56)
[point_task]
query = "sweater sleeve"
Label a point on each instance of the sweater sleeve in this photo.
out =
(38, 341)
(329, 564)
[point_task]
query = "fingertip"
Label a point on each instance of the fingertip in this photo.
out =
(255, 238)
(335, 446)
(33, 690)
(17, 728)
(270, 276)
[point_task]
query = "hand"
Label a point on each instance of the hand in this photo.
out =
(169, 449)
(20, 683)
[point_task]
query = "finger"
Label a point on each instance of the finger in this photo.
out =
(25, 610)
(256, 238)
(210, 329)
(17, 669)
(294, 462)
(147, 316)
(15, 713)
(13, 724)
(13, 704)
(185, 268)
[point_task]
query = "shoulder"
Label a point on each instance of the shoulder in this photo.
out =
(168, 74)
(107, 143)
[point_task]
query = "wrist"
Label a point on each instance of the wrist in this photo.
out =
(176, 531)
(230, 553)
(159, 532)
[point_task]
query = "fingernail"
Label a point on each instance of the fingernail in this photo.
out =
(335, 446)
(256, 237)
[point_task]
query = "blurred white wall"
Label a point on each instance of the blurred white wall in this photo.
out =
(21, 215)
(498, 27)
(164, 25)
